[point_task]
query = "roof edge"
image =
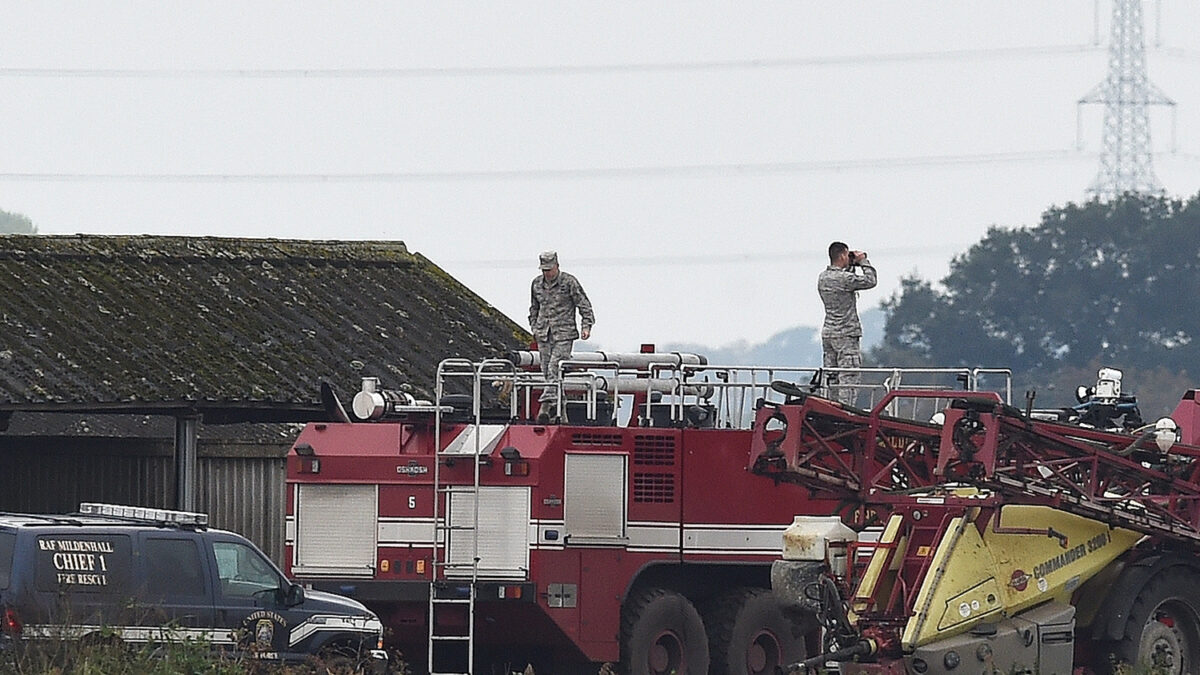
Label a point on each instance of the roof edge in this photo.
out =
(149, 246)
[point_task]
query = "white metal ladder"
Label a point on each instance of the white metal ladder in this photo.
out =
(445, 590)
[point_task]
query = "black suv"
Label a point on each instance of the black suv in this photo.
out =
(152, 575)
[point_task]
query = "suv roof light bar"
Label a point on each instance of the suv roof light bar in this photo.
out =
(144, 513)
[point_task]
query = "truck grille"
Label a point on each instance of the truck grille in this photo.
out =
(653, 488)
(602, 439)
(654, 450)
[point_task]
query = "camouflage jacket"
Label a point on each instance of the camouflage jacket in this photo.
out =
(552, 308)
(838, 289)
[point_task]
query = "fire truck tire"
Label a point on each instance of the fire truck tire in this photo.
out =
(749, 634)
(1163, 630)
(661, 633)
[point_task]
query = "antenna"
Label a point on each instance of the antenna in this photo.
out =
(1125, 161)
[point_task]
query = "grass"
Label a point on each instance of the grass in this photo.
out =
(168, 657)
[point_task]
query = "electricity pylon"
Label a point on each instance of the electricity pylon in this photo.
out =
(1126, 164)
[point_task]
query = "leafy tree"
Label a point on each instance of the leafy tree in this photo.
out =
(1107, 283)
(15, 223)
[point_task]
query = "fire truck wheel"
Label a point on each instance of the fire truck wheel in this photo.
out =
(661, 633)
(748, 633)
(1163, 631)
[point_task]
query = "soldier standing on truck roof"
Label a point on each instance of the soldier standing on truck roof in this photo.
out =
(841, 333)
(554, 298)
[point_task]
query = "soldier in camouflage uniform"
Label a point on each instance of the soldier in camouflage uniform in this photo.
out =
(554, 298)
(841, 333)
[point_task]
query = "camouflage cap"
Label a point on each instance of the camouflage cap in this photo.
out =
(547, 260)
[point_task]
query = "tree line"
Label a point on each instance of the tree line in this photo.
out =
(1093, 284)
(15, 223)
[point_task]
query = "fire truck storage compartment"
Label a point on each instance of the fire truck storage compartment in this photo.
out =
(694, 415)
(503, 532)
(336, 529)
(577, 412)
(594, 498)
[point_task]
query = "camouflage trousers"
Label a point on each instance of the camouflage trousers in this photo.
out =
(552, 354)
(842, 352)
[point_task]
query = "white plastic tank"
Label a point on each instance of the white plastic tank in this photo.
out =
(819, 539)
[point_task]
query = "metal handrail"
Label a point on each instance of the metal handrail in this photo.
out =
(730, 391)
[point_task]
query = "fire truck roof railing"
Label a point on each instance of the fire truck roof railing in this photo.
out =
(676, 387)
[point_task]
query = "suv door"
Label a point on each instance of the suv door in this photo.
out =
(174, 589)
(83, 579)
(251, 599)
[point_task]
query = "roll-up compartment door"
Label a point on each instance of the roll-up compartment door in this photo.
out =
(594, 498)
(503, 532)
(336, 529)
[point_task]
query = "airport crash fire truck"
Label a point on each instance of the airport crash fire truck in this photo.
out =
(629, 532)
(1022, 541)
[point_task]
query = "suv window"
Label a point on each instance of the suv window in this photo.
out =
(242, 570)
(8, 541)
(173, 568)
(83, 563)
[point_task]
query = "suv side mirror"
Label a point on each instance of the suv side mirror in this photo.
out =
(294, 595)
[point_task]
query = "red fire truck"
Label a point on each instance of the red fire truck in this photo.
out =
(633, 531)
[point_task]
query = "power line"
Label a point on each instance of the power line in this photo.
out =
(693, 260)
(682, 171)
(1178, 53)
(594, 69)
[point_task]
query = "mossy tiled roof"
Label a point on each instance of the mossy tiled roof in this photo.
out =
(92, 322)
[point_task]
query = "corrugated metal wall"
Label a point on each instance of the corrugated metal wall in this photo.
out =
(52, 475)
(246, 494)
(242, 486)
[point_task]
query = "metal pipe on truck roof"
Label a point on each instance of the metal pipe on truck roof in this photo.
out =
(634, 385)
(526, 358)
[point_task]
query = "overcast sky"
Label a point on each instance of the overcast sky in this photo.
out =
(690, 161)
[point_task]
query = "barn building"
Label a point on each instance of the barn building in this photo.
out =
(174, 371)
